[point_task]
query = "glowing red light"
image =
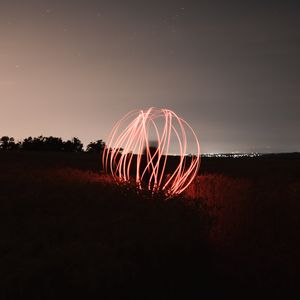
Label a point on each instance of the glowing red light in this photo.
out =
(131, 157)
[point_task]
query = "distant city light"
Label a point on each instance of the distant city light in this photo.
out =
(231, 155)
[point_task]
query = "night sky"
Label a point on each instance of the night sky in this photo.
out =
(230, 68)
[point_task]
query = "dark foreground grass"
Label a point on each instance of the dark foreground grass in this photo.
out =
(67, 232)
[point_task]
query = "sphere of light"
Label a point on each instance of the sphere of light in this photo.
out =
(131, 156)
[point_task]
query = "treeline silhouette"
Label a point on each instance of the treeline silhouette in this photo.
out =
(42, 143)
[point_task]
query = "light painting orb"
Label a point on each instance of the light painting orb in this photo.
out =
(152, 149)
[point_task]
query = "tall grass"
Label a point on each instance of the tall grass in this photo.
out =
(70, 233)
(226, 200)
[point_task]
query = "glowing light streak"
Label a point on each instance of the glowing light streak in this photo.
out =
(148, 168)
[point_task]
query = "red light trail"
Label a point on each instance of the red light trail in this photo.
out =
(130, 156)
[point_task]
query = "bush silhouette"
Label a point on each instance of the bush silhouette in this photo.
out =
(96, 147)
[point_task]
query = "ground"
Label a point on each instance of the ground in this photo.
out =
(68, 231)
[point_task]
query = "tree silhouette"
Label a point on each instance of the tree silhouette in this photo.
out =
(4, 142)
(27, 144)
(50, 143)
(96, 147)
(68, 146)
(77, 145)
(8, 143)
(42, 144)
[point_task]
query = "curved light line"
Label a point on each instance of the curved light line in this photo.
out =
(131, 133)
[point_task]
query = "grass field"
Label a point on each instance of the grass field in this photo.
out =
(68, 231)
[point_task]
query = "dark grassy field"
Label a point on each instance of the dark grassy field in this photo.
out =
(67, 231)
